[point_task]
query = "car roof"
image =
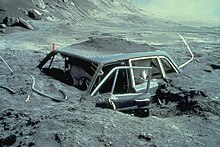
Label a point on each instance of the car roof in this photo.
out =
(108, 50)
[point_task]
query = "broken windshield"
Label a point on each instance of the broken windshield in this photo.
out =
(70, 70)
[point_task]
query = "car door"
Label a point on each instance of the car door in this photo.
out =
(161, 67)
(112, 84)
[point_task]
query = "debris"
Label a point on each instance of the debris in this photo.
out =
(207, 70)
(10, 21)
(65, 1)
(160, 102)
(214, 117)
(2, 30)
(6, 64)
(31, 144)
(25, 24)
(45, 95)
(3, 25)
(27, 98)
(2, 10)
(8, 141)
(147, 137)
(57, 138)
(35, 14)
(126, 37)
(8, 89)
(215, 66)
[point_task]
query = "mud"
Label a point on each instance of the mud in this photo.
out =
(176, 101)
(185, 111)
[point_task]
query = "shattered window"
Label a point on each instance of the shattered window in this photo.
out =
(70, 70)
(141, 75)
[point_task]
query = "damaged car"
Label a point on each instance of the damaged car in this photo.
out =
(127, 72)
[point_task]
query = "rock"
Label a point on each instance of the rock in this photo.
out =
(215, 66)
(25, 24)
(65, 1)
(2, 30)
(2, 10)
(147, 137)
(208, 70)
(10, 21)
(39, 3)
(3, 25)
(35, 14)
(8, 141)
(57, 138)
(214, 117)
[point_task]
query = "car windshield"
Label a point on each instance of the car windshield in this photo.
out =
(70, 70)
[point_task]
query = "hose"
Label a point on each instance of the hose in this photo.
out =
(8, 89)
(46, 95)
(6, 64)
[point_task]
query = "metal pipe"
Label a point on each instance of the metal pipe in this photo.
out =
(46, 95)
(149, 79)
(184, 64)
(115, 79)
(6, 64)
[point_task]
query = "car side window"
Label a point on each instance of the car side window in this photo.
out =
(119, 77)
(156, 69)
(140, 75)
(167, 66)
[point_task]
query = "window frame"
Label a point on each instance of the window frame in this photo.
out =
(158, 59)
(116, 69)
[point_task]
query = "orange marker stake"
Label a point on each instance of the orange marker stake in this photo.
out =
(53, 47)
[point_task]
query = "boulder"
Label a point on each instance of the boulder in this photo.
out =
(35, 14)
(10, 21)
(25, 24)
(2, 30)
(3, 25)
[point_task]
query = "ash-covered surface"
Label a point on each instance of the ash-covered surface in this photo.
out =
(185, 111)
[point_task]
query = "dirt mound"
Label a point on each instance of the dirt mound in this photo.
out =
(20, 120)
(171, 100)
